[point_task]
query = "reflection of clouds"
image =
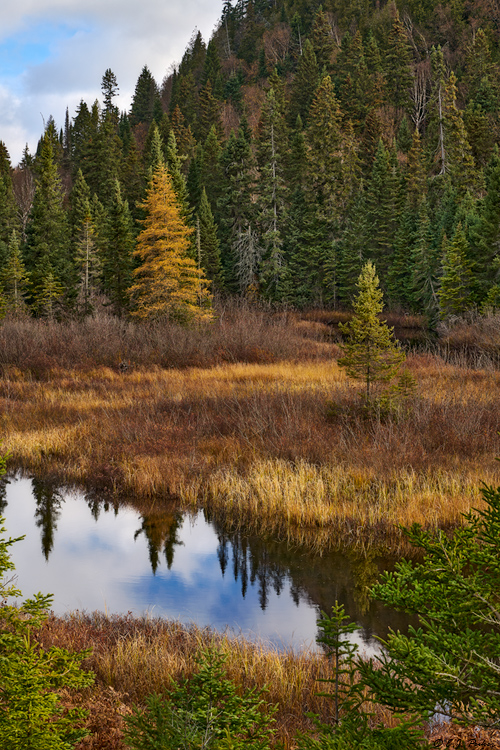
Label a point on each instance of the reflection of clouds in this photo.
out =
(98, 565)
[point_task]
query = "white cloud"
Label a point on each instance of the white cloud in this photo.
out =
(86, 40)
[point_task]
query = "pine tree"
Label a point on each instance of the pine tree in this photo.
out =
(370, 353)
(167, 283)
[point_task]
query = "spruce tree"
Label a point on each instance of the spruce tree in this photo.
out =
(209, 245)
(272, 145)
(454, 291)
(13, 278)
(369, 352)
(48, 240)
(116, 243)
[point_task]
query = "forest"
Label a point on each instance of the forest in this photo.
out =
(181, 305)
(301, 141)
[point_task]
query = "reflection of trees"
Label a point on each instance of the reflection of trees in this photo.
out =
(47, 511)
(160, 530)
(3, 495)
(96, 503)
(318, 580)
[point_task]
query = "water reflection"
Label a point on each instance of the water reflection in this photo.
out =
(114, 559)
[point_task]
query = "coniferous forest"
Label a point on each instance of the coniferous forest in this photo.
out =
(301, 141)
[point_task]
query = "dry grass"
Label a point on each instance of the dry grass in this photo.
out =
(134, 657)
(256, 442)
(279, 441)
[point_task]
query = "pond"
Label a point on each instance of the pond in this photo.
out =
(93, 556)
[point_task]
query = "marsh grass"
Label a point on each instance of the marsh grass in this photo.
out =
(278, 442)
(133, 657)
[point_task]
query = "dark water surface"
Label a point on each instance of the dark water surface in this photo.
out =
(92, 556)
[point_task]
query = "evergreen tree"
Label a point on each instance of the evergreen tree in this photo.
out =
(304, 84)
(167, 282)
(322, 41)
(398, 67)
(460, 162)
(13, 277)
(48, 240)
(143, 101)
(116, 243)
(33, 678)
(454, 291)
(424, 265)
(383, 209)
(236, 211)
(87, 263)
(369, 353)
(109, 88)
(9, 220)
(448, 664)
(272, 145)
(209, 245)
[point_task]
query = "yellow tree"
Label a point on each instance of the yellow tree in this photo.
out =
(167, 283)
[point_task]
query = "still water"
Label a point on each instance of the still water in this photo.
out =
(92, 556)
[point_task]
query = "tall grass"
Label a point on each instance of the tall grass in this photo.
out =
(262, 444)
(134, 657)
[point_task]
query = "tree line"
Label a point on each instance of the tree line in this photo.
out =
(300, 143)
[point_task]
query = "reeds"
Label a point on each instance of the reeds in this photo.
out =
(283, 445)
(134, 657)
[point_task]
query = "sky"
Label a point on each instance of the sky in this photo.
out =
(53, 54)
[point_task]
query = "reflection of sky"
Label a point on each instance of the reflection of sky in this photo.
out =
(99, 566)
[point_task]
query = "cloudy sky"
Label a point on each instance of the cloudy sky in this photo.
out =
(53, 53)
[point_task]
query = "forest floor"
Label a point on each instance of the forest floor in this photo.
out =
(253, 419)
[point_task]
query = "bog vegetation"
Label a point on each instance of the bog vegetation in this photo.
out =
(174, 283)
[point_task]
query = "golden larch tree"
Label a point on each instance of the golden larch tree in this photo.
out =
(167, 283)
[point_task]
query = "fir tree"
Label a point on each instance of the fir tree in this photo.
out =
(369, 352)
(116, 242)
(209, 245)
(454, 291)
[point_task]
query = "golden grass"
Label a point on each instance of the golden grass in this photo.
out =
(135, 657)
(262, 445)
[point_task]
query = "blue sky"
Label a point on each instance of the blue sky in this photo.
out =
(53, 53)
